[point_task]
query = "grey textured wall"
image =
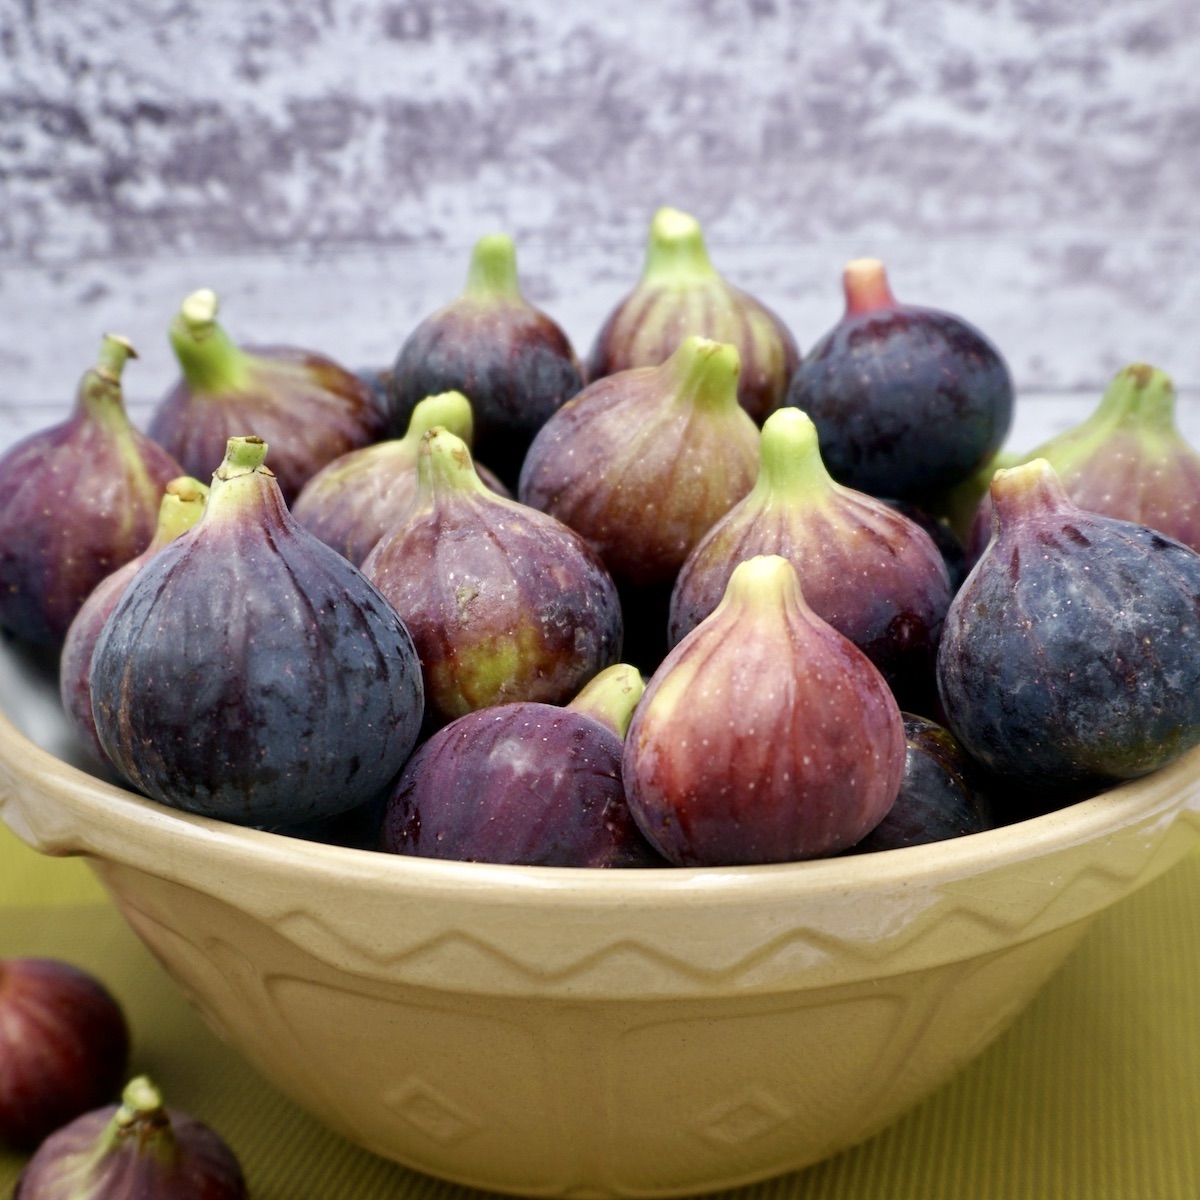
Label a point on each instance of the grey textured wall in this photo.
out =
(1031, 164)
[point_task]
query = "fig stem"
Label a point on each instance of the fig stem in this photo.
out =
(208, 358)
(790, 464)
(450, 410)
(181, 507)
(707, 373)
(114, 352)
(675, 250)
(141, 1115)
(493, 273)
(611, 696)
(444, 465)
(866, 286)
(1028, 488)
(243, 456)
(1141, 395)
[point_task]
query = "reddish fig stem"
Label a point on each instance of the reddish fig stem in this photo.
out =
(866, 286)
(1023, 490)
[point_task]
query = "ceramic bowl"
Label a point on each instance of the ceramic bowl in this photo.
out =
(585, 1033)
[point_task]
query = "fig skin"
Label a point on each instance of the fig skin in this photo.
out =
(869, 571)
(503, 602)
(356, 499)
(524, 783)
(1070, 658)
(249, 672)
(305, 406)
(181, 507)
(680, 294)
(76, 501)
(511, 360)
(764, 736)
(138, 1148)
(908, 401)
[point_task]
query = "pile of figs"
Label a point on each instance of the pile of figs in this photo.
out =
(695, 599)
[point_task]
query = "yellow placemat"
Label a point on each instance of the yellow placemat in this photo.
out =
(1094, 1094)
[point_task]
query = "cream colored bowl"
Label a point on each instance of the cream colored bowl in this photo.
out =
(567, 1032)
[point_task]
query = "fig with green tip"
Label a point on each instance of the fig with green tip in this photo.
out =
(249, 672)
(305, 406)
(680, 294)
(764, 735)
(504, 602)
(511, 360)
(76, 502)
(356, 499)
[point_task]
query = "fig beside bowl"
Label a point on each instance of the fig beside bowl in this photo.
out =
(566, 1031)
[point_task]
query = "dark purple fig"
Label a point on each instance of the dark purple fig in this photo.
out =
(64, 1047)
(354, 501)
(869, 571)
(908, 401)
(940, 796)
(508, 358)
(251, 673)
(1070, 658)
(765, 735)
(680, 294)
(137, 1150)
(306, 407)
(503, 602)
(181, 507)
(525, 783)
(76, 501)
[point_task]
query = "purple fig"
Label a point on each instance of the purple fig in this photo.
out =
(1070, 658)
(681, 294)
(139, 1148)
(508, 358)
(181, 507)
(504, 602)
(765, 735)
(354, 501)
(251, 673)
(306, 407)
(525, 783)
(908, 401)
(76, 501)
(869, 571)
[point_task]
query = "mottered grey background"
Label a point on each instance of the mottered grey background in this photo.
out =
(1033, 165)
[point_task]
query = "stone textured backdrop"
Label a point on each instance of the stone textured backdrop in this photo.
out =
(326, 166)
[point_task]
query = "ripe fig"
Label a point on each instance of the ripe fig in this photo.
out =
(76, 501)
(354, 501)
(908, 401)
(309, 409)
(251, 673)
(508, 358)
(181, 507)
(64, 1047)
(1070, 658)
(503, 602)
(525, 783)
(869, 571)
(681, 294)
(765, 735)
(139, 1148)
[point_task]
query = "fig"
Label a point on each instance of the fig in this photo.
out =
(503, 602)
(249, 672)
(1070, 658)
(764, 735)
(138, 1149)
(76, 501)
(908, 401)
(525, 783)
(180, 508)
(64, 1047)
(941, 795)
(356, 499)
(508, 358)
(306, 407)
(869, 571)
(681, 294)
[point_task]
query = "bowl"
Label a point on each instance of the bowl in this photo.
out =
(562, 1032)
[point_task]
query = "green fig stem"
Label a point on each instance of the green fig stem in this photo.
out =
(493, 273)
(181, 507)
(790, 464)
(208, 358)
(866, 286)
(1024, 490)
(141, 1116)
(243, 456)
(1141, 395)
(611, 696)
(765, 581)
(115, 351)
(675, 250)
(706, 373)
(450, 410)
(101, 397)
(444, 466)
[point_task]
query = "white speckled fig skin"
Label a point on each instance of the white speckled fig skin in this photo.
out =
(765, 735)
(1070, 657)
